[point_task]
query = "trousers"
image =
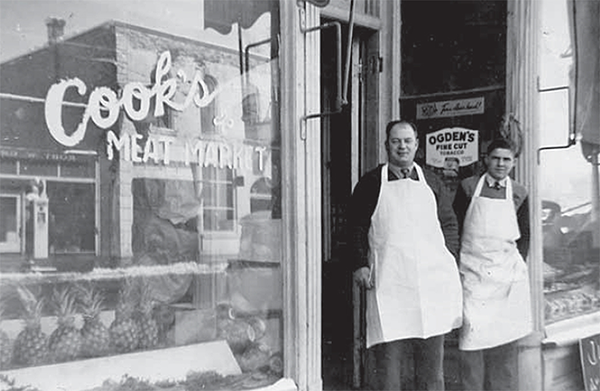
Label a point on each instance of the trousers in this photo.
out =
(407, 364)
(490, 369)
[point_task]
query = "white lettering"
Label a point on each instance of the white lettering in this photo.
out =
(113, 142)
(104, 99)
(140, 93)
(136, 149)
(104, 106)
(211, 155)
(53, 113)
(151, 150)
(166, 141)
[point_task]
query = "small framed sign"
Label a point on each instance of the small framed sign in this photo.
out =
(589, 349)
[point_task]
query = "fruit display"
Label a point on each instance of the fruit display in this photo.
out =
(5, 343)
(64, 343)
(144, 315)
(95, 335)
(31, 344)
(124, 330)
(64, 321)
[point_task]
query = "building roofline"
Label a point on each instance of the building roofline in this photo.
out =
(118, 23)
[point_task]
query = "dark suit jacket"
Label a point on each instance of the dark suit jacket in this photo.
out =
(364, 200)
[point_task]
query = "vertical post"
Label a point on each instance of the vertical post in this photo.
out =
(301, 199)
(595, 208)
(521, 102)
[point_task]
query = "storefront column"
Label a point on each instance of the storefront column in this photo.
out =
(301, 195)
(521, 109)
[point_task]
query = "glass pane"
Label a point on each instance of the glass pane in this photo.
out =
(150, 123)
(39, 168)
(78, 170)
(8, 166)
(8, 227)
(571, 254)
(72, 223)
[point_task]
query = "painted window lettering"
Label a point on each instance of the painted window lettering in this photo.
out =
(104, 105)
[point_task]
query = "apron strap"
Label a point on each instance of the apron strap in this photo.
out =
(419, 172)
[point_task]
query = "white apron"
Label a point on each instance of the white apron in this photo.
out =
(497, 307)
(417, 291)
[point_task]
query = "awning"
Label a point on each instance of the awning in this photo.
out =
(585, 19)
(222, 14)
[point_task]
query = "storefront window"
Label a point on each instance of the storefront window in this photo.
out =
(570, 238)
(9, 209)
(141, 195)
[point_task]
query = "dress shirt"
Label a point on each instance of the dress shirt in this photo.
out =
(364, 200)
(399, 173)
(491, 181)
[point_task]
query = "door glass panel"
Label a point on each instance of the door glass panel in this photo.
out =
(154, 129)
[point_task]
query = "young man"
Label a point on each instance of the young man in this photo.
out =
(403, 233)
(493, 216)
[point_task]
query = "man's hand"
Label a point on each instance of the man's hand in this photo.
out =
(363, 277)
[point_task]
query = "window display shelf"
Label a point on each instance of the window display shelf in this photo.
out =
(171, 364)
(209, 365)
(49, 275)
(570, 331)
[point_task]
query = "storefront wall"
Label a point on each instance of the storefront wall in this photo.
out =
(214, 205)
(194, 249)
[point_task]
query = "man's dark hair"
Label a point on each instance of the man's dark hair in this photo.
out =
(502, 143)
(391, 124)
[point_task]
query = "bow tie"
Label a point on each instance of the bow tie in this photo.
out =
(497, 186)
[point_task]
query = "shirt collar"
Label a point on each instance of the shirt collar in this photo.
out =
(491, 181)
(398, 171)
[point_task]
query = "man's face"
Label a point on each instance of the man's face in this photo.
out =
(500, 162)
(401, 145)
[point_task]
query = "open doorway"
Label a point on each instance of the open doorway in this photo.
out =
(348, 149)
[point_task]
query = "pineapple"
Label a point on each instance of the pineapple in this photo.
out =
(96, 338)
(65, 340)
(31, 344)
(145, 319)
(5, 343)
(124, 330)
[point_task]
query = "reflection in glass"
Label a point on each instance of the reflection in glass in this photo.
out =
(163, 183)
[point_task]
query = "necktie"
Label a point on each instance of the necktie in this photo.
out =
(405, 172)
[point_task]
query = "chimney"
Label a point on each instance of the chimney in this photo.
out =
(56, 29)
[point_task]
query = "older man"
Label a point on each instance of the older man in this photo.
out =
(403, 234)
